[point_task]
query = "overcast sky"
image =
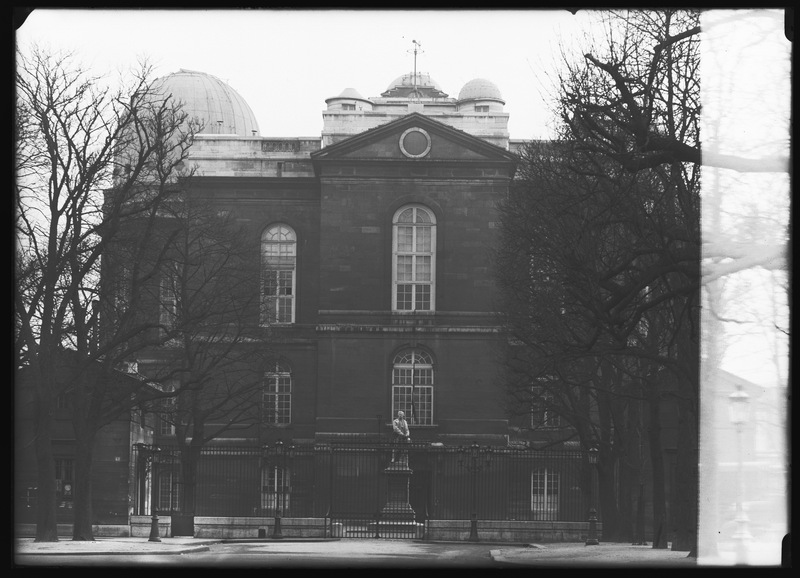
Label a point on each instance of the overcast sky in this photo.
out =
(286, 63)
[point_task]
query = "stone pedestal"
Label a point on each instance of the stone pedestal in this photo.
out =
(397, 507)
(397, 516)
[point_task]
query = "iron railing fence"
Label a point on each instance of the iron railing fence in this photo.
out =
(348, 481)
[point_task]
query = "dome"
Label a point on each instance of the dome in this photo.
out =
(423, 79)
(219, 107)
(404, 85)
(350, 93)
(480, 89)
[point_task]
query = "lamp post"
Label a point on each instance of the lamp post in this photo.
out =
(592, 539)
(279, 453)
(473, 466)
(738, 407)
(149, 453)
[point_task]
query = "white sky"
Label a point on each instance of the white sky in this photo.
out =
(286, 63)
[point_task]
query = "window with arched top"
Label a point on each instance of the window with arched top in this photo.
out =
(278, 274)
(413, 259)
(276, 400)
(412, 386)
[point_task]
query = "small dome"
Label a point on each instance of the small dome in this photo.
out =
(404, 85)
(350, 93)
(219, 107)
(480, 89)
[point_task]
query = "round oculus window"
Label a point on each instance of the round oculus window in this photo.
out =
(415, 143)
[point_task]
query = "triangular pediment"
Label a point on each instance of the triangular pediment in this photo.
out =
(414, 137)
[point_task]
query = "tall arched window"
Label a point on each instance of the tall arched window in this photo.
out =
(413, 259)
(276, 401)
(278, 273)
(412, 386)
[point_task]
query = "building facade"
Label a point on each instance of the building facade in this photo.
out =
(376, 238)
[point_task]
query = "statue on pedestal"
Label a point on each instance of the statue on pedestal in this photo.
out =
(401, 435)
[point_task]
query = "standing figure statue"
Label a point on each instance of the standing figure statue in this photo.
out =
(400, 429)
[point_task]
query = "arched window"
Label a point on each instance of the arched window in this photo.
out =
(278, 272)
(413, 259)
(412, 386)
(276, 403)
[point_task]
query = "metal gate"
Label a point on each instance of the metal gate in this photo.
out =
(361, 493)
(375, 492)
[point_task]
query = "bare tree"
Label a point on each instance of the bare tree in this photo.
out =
(636, 101)
(598, 282)
(71, 129)
(212, 357)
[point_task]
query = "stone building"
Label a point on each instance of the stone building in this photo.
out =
(378, 291)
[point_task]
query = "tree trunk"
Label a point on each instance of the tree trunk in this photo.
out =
(189, 461)
(627, 477)
(686, 469)
(46, 508)
(657, 461)
(685, 512)
(82, 525)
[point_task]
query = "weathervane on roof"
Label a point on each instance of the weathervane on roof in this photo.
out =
(417, 49)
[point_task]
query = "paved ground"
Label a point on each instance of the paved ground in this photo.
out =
(541, 555)
(510, 554)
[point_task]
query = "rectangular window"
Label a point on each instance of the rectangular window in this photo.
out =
(543, 415)
(423, 297)
(544, 494)
(275, 488)
(65, 474)
(166, 425)
(405, 239)
(346, 106)
(277, 400)
(404, 293)
(121, 283)
(481, 108)
(169, 301)
(278, 300)
(420, 412)
(168, 492)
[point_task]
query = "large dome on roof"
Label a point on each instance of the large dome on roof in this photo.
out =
(219, 107)
(404, 85)
(480, 89)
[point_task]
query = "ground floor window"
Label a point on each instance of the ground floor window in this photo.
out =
(544, 494)
(65, 474)
(275, 483)
(168, 492)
